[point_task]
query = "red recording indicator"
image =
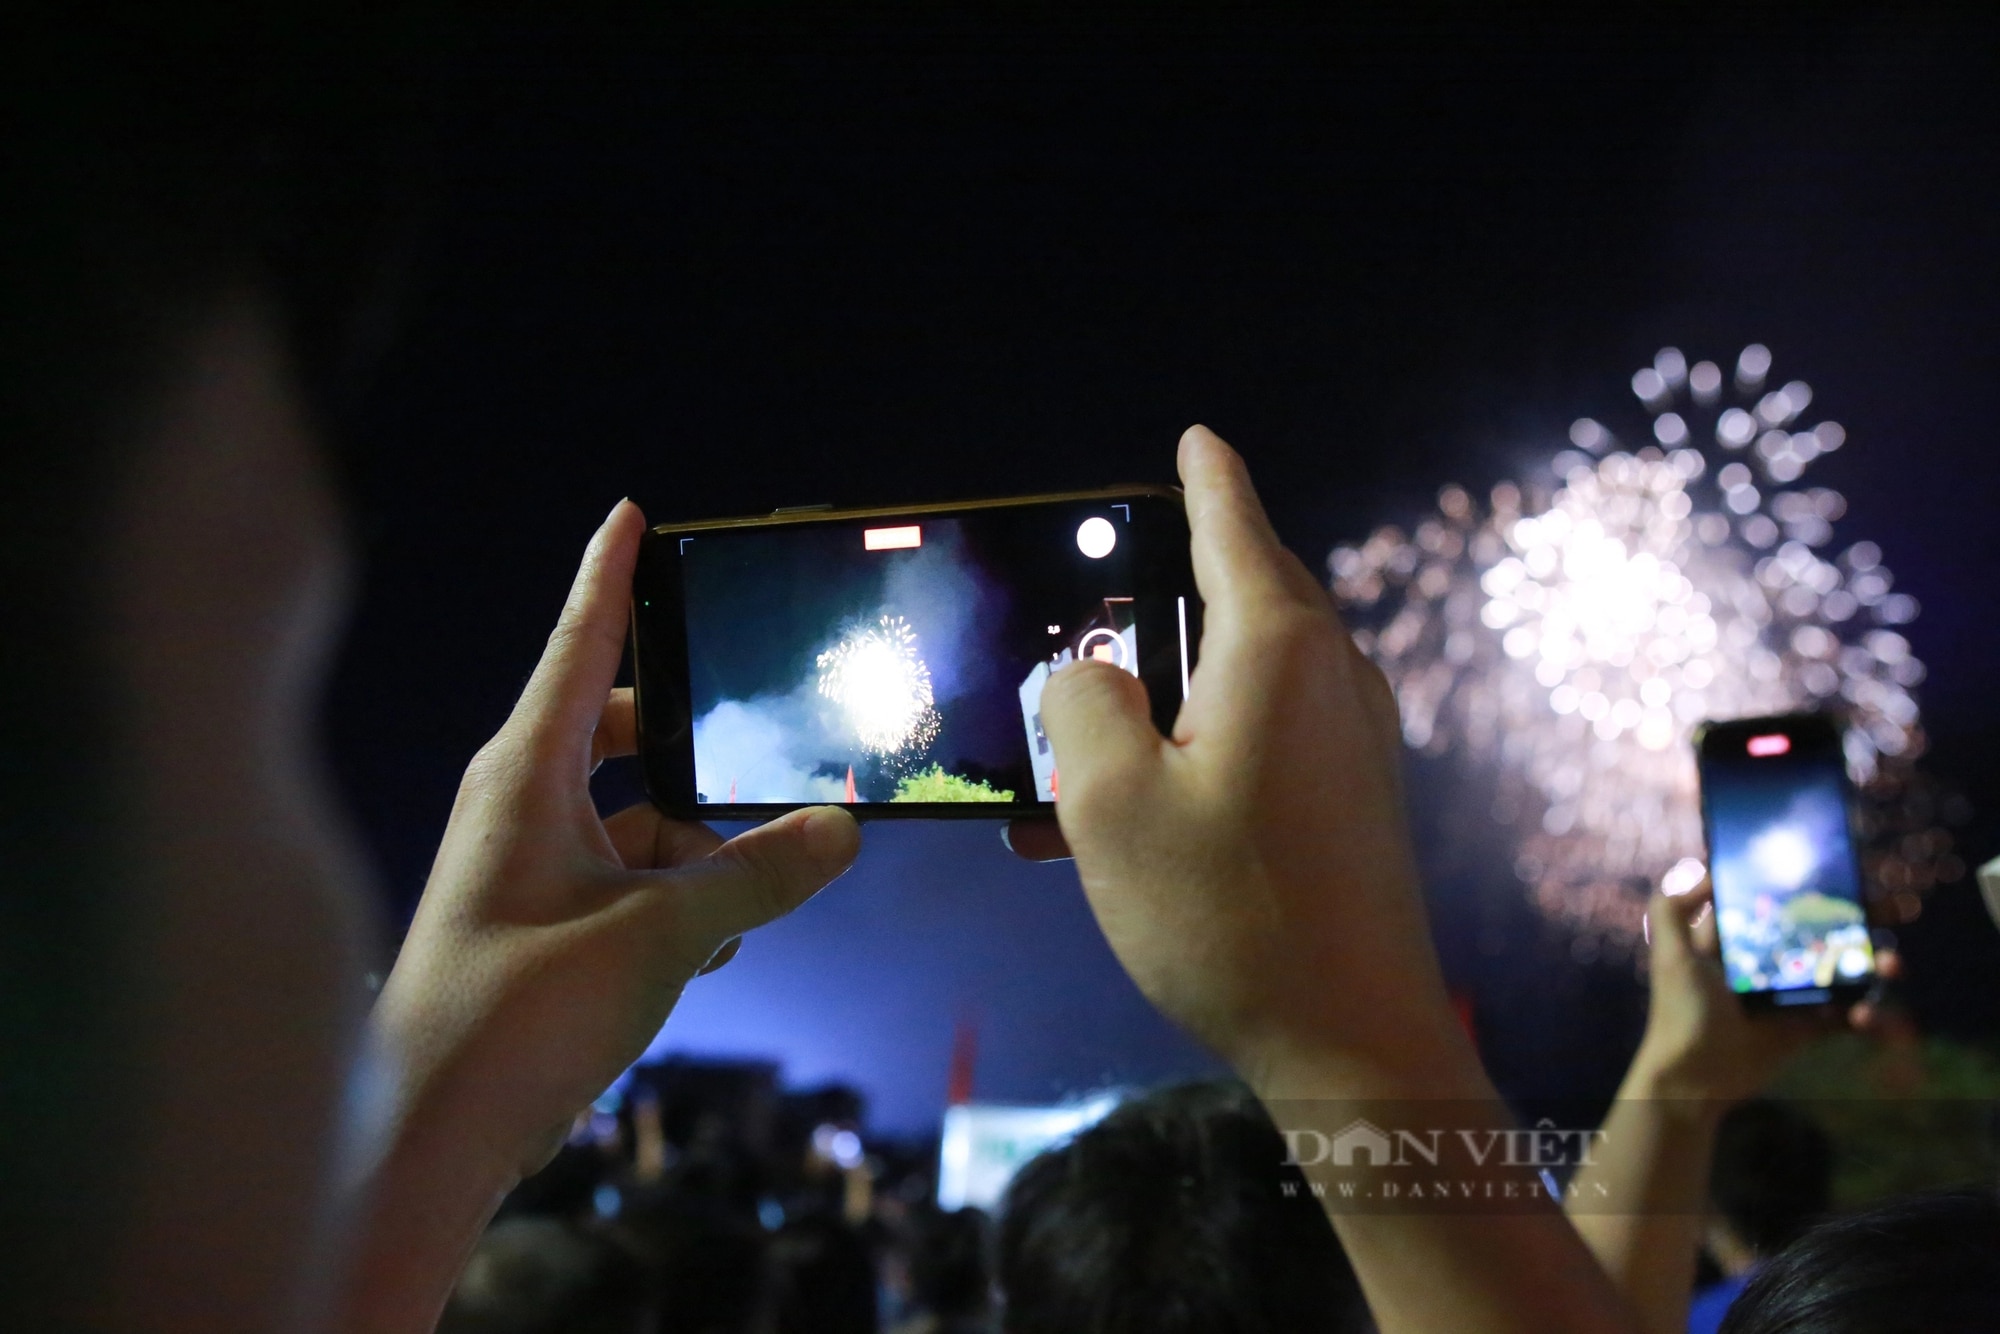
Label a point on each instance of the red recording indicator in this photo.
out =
(892, 539)
(1776, 743)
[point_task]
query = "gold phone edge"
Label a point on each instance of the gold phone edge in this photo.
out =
(787, 517)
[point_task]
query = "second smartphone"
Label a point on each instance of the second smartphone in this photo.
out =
(894, 659)
(1788, 889)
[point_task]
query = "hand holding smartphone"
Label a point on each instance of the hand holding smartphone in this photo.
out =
(1788, 891)
(892, 660)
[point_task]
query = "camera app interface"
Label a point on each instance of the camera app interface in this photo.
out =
(902, 659)
(1787, 891)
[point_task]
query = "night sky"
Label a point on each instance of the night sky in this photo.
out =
(727, 268)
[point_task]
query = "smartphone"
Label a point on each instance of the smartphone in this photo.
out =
(1775, 807)
(893, 660)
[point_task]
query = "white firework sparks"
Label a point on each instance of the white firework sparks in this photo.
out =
(877, 677)
(1576, 629)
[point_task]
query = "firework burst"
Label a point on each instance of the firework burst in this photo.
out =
(1575, 629)
(881, 683)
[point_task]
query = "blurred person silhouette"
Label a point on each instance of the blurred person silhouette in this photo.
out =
(1176, 1213)
(717, 1167)
(192, 248)
(1923, 1264)
(711, 1274)
(705, 1251)
(950, 1274)
(1770, 1180)
(822, 1278)
(202, 232)
(549, 1276)
(566, 1186)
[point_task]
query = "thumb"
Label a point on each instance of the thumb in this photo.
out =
(1099, 721)
(762, 874)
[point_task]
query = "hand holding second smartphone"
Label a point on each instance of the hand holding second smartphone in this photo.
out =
(1703, 1047)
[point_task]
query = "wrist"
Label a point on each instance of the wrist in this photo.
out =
(1665, 1081)
(454, 1118)
(461, 1095)
(433, 1186)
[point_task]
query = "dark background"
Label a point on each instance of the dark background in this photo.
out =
(723, 265)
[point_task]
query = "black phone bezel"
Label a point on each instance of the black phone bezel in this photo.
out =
(660, 656)
(1822, 733)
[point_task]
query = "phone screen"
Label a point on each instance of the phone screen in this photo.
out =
(898, 660)
(1788, 892)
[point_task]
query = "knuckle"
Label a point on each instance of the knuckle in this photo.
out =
(578, 627)
(565, 627)
(563, 639)
(494, 767)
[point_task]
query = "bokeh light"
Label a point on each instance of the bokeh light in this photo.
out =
(1573, 629)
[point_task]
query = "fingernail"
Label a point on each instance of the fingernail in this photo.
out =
(1006, 836)
(830, 836)
(614, 508)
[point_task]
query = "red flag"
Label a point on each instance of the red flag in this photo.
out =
(964, 1055)
(1462, 1005)
(850, 784)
